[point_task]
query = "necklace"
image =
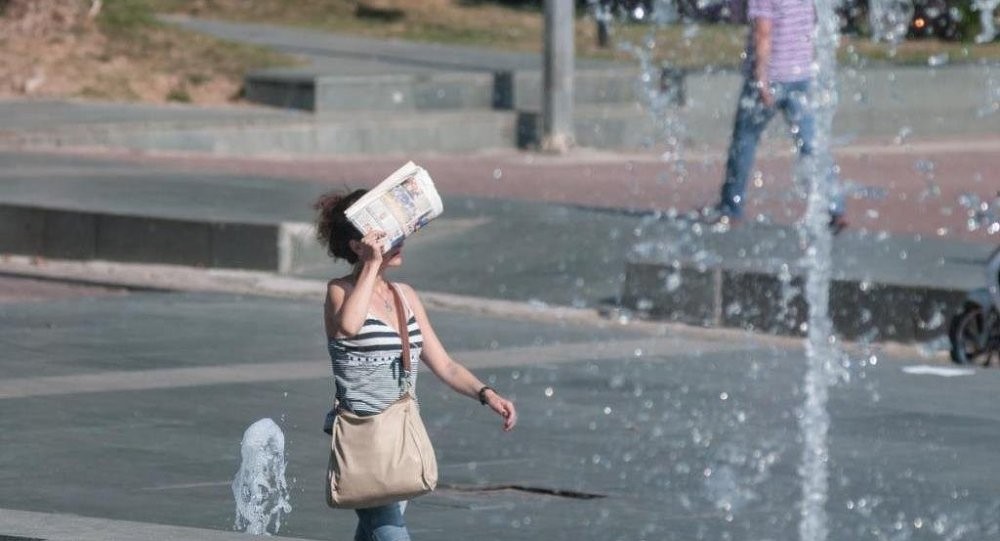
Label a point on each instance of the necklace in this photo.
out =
(385, 302)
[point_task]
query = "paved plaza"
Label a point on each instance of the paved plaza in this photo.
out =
(126, 384)
(130, 406)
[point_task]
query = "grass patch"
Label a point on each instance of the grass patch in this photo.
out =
(861, 51)
(133, 31)
(124, 54)
(518, 26)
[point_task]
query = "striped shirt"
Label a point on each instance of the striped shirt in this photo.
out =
(793, 23)
(368, 367)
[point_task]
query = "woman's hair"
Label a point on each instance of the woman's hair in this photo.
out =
(333, 229)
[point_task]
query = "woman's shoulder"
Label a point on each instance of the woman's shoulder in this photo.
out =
(407, 290)
(338, 288)
(410, 294)
(345, 283)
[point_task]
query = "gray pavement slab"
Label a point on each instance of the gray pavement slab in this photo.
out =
(698, 439)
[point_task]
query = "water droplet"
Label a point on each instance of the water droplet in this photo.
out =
(549, 392)
(903, 134)
(936, 60)
(497, 173)
(673, 281)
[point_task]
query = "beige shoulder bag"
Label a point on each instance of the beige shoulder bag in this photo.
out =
(384, 458)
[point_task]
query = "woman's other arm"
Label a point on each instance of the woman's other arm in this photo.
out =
(452, 373)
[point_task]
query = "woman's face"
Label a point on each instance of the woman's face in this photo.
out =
(394, 257)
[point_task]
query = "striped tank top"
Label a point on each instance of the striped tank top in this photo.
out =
(368, 367)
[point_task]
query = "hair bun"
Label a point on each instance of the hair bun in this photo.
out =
(328, 201)
(333, 229)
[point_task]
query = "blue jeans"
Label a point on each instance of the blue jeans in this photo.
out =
(751, 119)
(383, 523)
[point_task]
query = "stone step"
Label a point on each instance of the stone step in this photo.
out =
(319, 92)
(882, 103)
(613, 127)
(137, 237)
(297, 89)
(332, 134)
(624, 127)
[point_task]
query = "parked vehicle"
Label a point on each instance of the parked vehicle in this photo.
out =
(975, 332)
(944, 19)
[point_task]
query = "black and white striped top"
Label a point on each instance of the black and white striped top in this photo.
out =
(368, 367)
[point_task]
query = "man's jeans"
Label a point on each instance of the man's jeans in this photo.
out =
(751, 119)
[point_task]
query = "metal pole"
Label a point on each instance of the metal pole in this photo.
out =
(557, 98)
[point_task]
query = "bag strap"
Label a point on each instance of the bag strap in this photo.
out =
(404, 329)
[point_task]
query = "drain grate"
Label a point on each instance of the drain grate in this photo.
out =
(544, 491)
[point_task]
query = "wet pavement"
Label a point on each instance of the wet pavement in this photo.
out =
(626, 431)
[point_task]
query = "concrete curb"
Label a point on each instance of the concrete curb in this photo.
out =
(34, 526)
(80, 234)
(774, 302)
(171, 278)
(161, 277)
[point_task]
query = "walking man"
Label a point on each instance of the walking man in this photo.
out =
(778, 71)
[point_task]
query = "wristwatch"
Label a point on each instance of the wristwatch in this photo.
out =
(482, 393)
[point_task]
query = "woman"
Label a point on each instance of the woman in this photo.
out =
(365, 346)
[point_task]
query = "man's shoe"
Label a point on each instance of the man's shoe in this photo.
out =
(722, 222)
(837, 224)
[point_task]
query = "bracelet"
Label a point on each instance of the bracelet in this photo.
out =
(482, 393)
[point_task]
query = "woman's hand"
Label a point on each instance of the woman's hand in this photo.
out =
(504, 408)
(371, 248)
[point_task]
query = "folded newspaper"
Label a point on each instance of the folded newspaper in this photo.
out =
(400, 205)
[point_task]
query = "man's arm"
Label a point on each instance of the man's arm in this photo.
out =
(762, 57)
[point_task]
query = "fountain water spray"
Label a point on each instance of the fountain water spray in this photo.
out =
(986, 8)
(889, 20)
(259, 487)
(821, 349)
